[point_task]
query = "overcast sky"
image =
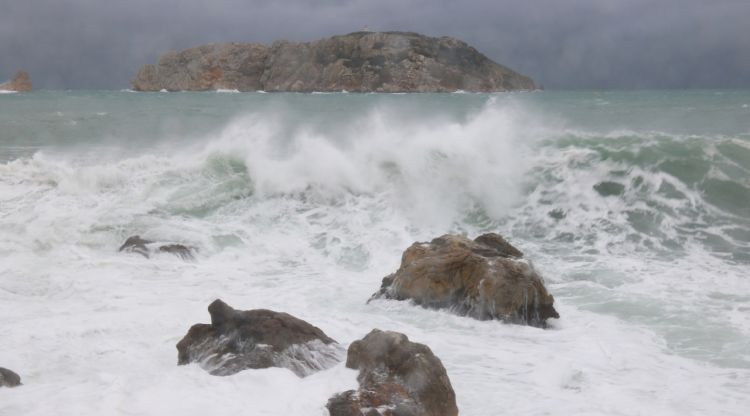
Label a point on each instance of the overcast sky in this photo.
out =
(559, 43)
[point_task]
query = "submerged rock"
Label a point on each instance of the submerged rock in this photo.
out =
(136, 244)
(397, 377)
(357, 62)
(485, 279)
(240, 340)
(9, 378)
(21, 82)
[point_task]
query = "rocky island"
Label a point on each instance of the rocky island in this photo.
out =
(21, 82)
(357, 62)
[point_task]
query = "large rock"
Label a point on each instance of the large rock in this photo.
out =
(397, 377)
(21, 83)
(240, 340)
(486, 278)
(147, 248)
(357, 62)
(9, 378)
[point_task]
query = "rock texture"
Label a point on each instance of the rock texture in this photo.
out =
(240, 340)
(397, 377)
(357, 62)
(21, 83)
(485, 278)
(146, 248)
(9, 378)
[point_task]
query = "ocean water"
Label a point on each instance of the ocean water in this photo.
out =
(634, 206)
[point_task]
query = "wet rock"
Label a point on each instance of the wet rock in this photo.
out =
(486, 278)
(357, 62)
(240, 340)
(179, 250)
(146, 248)
(136, 244)
(9, 378)
(21, 82)
(397, 377)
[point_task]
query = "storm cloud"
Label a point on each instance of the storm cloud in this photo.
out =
(559, 43)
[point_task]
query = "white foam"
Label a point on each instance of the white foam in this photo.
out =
(308, 223)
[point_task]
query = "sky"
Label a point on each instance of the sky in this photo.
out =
(562, 44)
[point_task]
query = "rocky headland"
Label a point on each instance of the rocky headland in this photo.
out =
(21, 82)
(357, 62)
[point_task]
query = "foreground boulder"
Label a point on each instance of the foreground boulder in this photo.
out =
(357, 62)
(146, 248)
(485, 279)
(240, 340)
(397, 377)
(9, 378)
(21, 83)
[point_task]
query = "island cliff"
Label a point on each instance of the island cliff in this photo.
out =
(21, 83)
(357, 62)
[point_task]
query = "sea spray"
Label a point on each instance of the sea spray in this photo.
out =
(634, 212)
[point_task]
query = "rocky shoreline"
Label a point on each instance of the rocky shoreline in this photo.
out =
(357, 62)
(484, 278)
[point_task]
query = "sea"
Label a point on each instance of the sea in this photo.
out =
(634, 206)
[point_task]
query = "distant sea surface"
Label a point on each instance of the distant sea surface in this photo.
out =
(634, 206)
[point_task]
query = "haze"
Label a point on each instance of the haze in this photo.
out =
(561, 44)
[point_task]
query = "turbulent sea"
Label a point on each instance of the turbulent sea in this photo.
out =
(634, 206)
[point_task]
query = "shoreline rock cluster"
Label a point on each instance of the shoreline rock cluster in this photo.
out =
(21, 83)
(397, 377)
(485, 278)
(356, 62)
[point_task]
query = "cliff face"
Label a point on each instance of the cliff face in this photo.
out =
(21, 83)
(357, 62)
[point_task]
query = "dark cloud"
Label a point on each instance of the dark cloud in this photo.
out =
(560, 43)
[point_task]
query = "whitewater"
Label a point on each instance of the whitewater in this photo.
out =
(633, 206)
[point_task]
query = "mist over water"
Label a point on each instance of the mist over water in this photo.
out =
(634, 206)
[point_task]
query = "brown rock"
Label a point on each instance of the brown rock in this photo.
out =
(397, 377)
(21, 83)
(357, 62)
(9, 378)
(239, 340)
(484, 279)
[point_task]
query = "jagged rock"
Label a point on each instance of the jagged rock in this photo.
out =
(9, 378)
(136, 244)
(240, 340)
(397, 377)
(357, 62)
(485, 279)
(21, 82)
